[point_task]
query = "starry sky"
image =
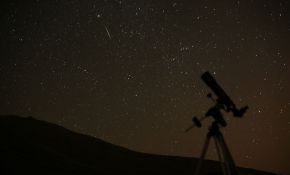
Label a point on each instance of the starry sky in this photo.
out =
(128, 72)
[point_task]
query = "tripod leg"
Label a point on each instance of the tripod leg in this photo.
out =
(228, 157)
(221, 158)
(204, 149)
(224, 153)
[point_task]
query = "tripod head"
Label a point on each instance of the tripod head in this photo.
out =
(223, 102)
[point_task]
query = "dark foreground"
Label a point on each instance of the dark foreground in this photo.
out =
(30, 146)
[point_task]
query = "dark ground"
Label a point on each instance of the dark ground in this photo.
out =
(30, 146)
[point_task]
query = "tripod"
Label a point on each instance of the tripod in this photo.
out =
(224, 155)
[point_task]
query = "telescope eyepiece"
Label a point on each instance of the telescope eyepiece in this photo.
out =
(240, 113)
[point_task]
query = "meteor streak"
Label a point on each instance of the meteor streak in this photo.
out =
(108, 32)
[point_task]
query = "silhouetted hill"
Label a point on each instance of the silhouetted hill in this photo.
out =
(30, 146)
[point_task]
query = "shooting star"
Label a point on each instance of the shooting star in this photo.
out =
(108, 32)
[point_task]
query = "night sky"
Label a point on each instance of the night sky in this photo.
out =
(128, 72)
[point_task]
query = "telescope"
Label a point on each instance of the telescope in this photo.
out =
(222, 102)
